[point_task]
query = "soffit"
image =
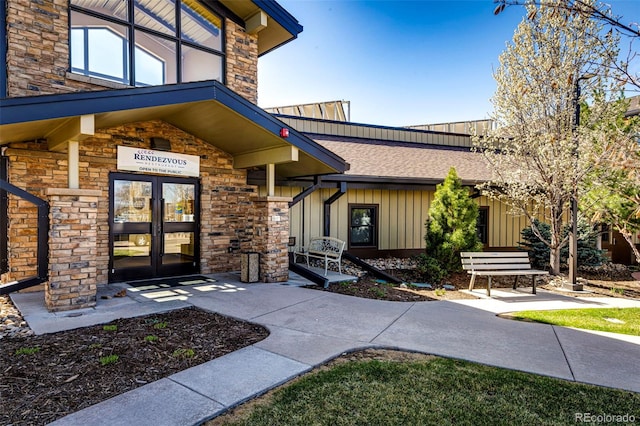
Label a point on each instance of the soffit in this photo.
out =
(281, 26)
(224, 120)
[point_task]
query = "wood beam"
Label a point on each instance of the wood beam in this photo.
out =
(73, 158)
(279, 155)
(271, 180)
(256, 23)
(74, 129)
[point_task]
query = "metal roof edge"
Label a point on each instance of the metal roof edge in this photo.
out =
(34, 108)
(280, 15)
(373, 126)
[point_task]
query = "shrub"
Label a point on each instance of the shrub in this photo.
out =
(450, 227)
(430, 268)
(588, 253)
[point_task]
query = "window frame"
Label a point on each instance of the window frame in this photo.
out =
(131, 28)
(483, 210)
(374, 226)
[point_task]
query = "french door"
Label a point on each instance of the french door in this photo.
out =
(153, 226)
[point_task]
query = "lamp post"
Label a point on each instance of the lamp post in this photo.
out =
(573, 236)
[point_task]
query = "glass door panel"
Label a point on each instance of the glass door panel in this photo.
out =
(132, 210)
(153, 225)
(178, 202)
(179, 226)
(131, 250)
(132, 201)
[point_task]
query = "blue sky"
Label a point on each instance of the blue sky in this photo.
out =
(398, 62)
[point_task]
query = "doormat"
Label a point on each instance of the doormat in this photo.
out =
(172, 282)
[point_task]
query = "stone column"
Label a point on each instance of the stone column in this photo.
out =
(271, 237)
(72, 249)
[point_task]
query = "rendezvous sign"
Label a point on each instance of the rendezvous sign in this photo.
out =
(150, 161)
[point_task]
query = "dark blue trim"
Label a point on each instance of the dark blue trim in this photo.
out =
(3, 50)
(282, 17)
(46, 107)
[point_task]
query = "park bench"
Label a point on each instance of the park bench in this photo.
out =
(327, 249)
(491, 264)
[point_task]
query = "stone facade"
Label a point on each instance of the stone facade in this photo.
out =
(38, 49)
(242, 62)
(272, 237)
(72, 249)
(38, 53)
(233, 220)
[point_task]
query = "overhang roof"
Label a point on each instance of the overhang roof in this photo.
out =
(207, 110)
(397, 162)
(281, 27)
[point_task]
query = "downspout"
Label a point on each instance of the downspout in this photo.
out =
(317, 183)
(327, 207)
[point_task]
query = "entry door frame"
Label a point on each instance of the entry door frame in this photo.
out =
(157, 228)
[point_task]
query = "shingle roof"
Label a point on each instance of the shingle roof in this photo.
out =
(406, 160)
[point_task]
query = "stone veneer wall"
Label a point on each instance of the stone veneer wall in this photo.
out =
(227, 208)
(272, 238)
(242, 62)
(72, 249)
(38, 53)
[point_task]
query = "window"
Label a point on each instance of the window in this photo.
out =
(363, 228)
(482, 225)
(146, 42)
(605, 230)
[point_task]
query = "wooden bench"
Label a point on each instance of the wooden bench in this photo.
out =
(328, 249)
(491, 264)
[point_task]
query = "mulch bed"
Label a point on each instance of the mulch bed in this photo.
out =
(369, 287)
(49, 376)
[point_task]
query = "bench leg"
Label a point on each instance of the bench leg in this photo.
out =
(533, 281)
(515, 282)
(473, 280)
(326, 266)
(489, 286)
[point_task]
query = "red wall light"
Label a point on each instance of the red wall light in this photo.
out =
(284, 132)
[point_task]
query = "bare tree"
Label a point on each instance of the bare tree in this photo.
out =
(539, 154)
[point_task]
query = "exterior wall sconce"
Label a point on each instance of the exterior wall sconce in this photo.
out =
(284, 132)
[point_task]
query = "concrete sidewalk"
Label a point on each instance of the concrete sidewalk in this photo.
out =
(310, 327)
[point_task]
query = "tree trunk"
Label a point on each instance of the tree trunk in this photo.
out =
(556, 238)
(554, 260)
(629, 239)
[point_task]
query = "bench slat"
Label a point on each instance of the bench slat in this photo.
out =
(513, 272)
(512, 266)
(498, 264)
(498, 261)
(494, 254)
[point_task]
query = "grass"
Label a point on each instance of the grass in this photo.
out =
(109, 359)
(614, 320)
(27, 350)
(437, 391)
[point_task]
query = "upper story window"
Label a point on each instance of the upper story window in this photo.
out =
(146, 42)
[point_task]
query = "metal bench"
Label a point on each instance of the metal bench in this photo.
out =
(491, 264)
(328, 249)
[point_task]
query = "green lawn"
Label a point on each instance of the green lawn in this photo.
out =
(434, 392)
(614, 320)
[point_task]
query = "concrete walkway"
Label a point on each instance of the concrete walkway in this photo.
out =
(310, 327)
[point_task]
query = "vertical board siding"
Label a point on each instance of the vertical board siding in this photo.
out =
(401, 216)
